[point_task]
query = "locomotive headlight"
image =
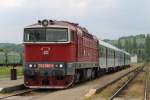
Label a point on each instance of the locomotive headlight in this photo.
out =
(61, 65)
(35, 66)
(45, 22)
(30, 65)
(56, 65)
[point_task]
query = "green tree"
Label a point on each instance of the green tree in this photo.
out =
(147, 48)
(119, 44)
(1, 50)
(126, 46)
(129, 46)
(134, 45)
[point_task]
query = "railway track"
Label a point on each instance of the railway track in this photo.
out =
(18, 93)
(74, 92)
(116, 93)
(27, 94)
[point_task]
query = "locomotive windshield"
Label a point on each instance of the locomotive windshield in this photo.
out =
(46, 35)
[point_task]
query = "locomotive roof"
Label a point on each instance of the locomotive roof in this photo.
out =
(112, 47)
(53, 23)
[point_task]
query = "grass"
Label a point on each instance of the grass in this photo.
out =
(6, 71)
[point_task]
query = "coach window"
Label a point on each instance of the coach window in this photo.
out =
(110, 53)
(101, 51)
(104, 51)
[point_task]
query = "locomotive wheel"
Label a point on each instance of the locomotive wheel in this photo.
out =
(77, 77)
(93, 74)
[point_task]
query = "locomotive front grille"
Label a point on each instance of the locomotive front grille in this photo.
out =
(45, 82)
(30, 73)
(57, 73)
(54, 72)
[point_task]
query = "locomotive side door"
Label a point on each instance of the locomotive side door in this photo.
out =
(79, 46)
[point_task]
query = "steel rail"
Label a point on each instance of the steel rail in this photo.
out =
(125, 84)
(146, 86)
(18, 93)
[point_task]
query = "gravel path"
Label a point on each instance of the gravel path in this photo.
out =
(8, 83)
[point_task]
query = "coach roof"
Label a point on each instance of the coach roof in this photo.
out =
(108, 45)
(112, 47)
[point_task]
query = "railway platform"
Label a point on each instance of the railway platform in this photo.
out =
(7, 85)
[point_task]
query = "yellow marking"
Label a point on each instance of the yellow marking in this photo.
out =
(90, 93)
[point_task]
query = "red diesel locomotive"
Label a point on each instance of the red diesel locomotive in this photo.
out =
(59, 53)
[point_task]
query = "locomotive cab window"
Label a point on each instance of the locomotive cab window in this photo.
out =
(34, 35)
(56, 35)
(46, 35)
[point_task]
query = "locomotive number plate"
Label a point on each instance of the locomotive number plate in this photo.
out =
(45, 65)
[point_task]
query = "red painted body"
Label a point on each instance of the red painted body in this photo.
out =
(57, 53)
(54, 83)
(83, 48)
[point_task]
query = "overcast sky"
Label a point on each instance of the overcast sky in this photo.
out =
(104, 18)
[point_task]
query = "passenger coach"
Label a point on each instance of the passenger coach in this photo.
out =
(112, 58)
